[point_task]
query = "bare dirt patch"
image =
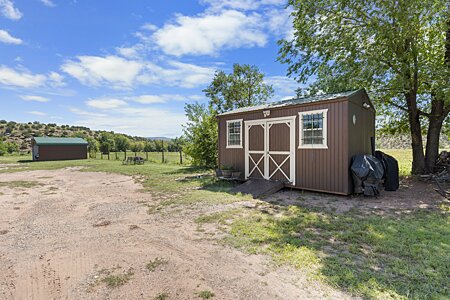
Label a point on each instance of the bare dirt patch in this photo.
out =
(412, 195)
(51, 250)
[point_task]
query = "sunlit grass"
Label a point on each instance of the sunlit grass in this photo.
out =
(370, 256)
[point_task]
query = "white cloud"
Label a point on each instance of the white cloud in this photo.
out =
(208, 33)
(106, 103)
(36, 113)
(242, 4)
(25, 79)
(123, 73)
(279, 22)
(128, 52)
(185, 75)
(149, 27)
(283, 86)
(8, 10)
(163, 98)
(56, 79)
(150, 99)
(96, 70)
(138, 121)
(34, 98)
(48, 3)
(81, 112)
(6, 38)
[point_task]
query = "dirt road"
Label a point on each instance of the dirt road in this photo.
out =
(86, 235)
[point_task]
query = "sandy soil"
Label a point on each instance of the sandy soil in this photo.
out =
(59, 239)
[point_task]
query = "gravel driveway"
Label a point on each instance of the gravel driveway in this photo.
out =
(87, 235)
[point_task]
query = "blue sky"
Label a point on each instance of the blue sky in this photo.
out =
(130, 66)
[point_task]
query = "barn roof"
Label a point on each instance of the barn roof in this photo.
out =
(293, 101)
(57, 141)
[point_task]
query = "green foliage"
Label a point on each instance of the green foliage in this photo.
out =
(122, 143)
(3, 149)
(114, 281)
(93, 144)
(373, 44)
(205, 294)
(12, 147)
(244, 87)
(201, 134)
(106, 147)
(137, 146)
(157, 262)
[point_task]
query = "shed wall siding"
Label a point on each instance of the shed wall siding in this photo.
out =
(62, 152)
(316, 169)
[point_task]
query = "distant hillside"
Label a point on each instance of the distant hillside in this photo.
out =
(21, 133)
(158, 138)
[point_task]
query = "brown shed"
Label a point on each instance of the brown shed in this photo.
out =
(306, 142)
(54, 148)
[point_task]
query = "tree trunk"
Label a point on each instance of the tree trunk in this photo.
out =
(116, 155)
(125, 154)
(108, 155)
(418, 163)
(181, 157)
(436, 120)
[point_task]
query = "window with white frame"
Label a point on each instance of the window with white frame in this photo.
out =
(234, 134)
(313, 129)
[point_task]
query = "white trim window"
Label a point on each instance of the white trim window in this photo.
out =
(313, 129)
(234, 133)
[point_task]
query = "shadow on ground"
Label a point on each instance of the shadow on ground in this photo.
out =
(365, 248)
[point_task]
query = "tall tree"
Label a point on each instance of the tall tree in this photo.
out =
(399, 50)
(201, 134)
(137, 147)
(122, 143)
(245, 86)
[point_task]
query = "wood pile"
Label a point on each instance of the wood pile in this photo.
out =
(441, 175)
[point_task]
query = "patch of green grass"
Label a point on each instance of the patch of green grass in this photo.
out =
(117, 280)
(404, 158)
(372, 256)
(19, 184)
(157, 262)
(162, 296)
(205, 294)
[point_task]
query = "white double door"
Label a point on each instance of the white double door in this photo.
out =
(270, 149)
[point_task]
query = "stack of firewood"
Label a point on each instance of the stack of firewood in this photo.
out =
(442, 174)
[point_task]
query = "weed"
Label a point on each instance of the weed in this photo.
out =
(154, 264)
(114, 281)
(162, 296)
(19, 184)
(205, 294)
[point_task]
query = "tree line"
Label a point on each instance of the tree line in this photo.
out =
(108, 143)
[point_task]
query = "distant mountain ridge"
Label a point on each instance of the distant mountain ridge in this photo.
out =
(158, 138)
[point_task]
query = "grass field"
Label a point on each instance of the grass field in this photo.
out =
(396, 256)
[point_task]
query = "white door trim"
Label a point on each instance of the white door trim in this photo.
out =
(267, 124)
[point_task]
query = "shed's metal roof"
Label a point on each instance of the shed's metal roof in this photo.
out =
(56, 141)
(293, 101)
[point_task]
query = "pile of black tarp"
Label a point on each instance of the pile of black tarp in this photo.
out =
(370, 173)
